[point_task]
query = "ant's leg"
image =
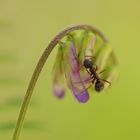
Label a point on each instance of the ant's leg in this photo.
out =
(106, 81)
(88, 72)
(102, 71)
(96, 68)
(93, 80)
(89, 86)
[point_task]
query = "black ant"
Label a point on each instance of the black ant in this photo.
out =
(92, 70)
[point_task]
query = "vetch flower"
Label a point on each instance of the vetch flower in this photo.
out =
(71, 54)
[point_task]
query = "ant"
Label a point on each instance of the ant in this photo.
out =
(92, 70)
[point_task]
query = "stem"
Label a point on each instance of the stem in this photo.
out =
(39, 67)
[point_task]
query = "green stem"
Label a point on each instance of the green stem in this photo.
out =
(39, 67)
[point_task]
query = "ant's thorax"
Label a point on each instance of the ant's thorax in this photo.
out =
(94, 73)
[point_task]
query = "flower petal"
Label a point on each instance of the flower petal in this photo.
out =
(58, 75)
(73, 75)
(58, 90)
(83, 97)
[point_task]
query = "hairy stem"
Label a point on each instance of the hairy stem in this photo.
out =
(39, 67)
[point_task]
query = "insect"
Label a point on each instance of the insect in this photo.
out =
(92, 70)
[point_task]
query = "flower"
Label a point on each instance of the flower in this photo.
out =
(69, 64)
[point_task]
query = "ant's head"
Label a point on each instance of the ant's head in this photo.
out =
(99, 85)
(88, 63)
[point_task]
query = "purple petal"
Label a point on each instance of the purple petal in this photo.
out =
(83, 97)
(72, 74)
(80, 92)
(58, 91)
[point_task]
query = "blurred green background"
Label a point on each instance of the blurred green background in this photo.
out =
(26, 27)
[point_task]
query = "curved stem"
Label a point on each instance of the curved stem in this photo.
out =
(40, 65)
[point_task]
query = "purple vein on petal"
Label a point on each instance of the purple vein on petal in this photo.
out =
(73, 76)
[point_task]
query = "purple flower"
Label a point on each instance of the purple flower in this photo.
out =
(68, 63)
(73, 77)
